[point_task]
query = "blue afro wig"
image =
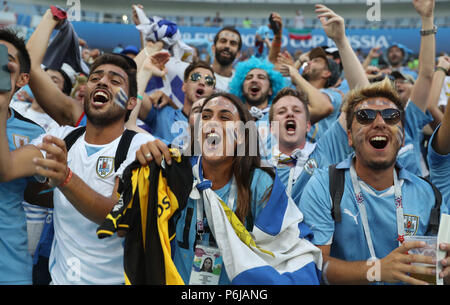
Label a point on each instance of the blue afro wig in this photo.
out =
(277, 80)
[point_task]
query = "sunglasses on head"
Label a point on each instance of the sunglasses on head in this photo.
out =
(209, 81)
(366, 116)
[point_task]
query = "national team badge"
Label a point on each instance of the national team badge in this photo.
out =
(20, 141)
(411, 223)
(310, 166)
(105, 166)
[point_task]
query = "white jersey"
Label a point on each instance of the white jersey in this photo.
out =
(78, 256)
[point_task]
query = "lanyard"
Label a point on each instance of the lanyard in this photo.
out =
(200, 201)
(362, 209)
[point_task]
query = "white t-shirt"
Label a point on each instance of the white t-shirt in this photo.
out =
(445, 92)
(223, 81)
(78, 256)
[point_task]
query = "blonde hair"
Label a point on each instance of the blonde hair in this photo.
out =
(382, 88)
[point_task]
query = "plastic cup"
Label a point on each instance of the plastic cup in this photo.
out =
(429, 250)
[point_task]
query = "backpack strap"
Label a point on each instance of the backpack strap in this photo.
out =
(72, 137)
(433, 223)
(122, 148)
(337, 182)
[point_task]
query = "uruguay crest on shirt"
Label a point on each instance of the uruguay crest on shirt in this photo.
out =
(20, 140)
(105, 166)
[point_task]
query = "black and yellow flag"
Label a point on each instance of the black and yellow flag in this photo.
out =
(150, 199)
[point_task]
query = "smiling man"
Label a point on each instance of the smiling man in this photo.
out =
(84, 177)
(379, 197)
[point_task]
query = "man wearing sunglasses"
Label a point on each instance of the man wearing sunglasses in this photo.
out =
(171, 125)
(382, 202)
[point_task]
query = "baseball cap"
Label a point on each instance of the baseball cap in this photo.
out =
(332, 65)
(398, 74)
(130, 50)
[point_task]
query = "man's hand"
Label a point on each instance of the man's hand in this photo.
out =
(277, 19)
(444, 62)
(155, 63)
(424, 8)
(445, 273)
(54, 166)
(397, 265)
(332, 23)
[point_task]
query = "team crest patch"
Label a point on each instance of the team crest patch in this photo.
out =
(310, 166)
(105, 166)
(411, 223)
(20, 141)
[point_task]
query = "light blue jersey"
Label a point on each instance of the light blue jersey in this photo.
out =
(319, 128)
(168, 124)
(15, 260)
(347, 237)
(439, 171)
(186, 224)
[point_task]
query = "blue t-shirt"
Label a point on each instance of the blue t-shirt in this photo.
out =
(184, 244)
(415, 120)
(439, 170)
(168, 124)
(319, 128)
(15, 261)
(347, 237)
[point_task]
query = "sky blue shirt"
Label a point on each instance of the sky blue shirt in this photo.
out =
(439, 170)
(15, 261)
(184, 244)
(347, 237)
(319, 128)
(168, 124)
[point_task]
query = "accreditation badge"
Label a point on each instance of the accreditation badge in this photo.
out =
(207, 265)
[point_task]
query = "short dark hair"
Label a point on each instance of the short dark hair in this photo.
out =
(11, 36)
(197, 64)
(287, 91)
(231, 29)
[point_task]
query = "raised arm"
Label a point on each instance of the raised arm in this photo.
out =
(275, 48)
(443, 65)
(419, 94)
(441, 144)
(62, 108)
(333, 26)
(319, 103)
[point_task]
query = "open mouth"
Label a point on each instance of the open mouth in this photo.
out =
(378, 142)
(290, 127)
(199, 92)
(254, 90)
(100, 97)
(213, 139)
(225, 53)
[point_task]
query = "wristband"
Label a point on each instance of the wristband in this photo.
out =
(442, 69)
(429, 32)
(140, 97)
(68, 177)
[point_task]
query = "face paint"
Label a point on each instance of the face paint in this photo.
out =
(399, 134)
(376, 102)
(121, 98)
(223, 102)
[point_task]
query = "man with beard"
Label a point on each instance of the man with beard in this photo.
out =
(381, 203)
(396, 56)
(227, 46)
(84, 177)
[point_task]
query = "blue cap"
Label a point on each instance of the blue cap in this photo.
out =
(130, 50)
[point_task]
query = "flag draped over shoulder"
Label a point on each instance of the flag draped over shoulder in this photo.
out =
(277, 251)
(150, 198)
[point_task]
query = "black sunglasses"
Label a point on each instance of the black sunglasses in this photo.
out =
(390, 116)
(209, 81)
